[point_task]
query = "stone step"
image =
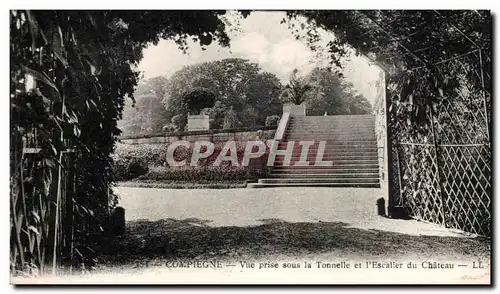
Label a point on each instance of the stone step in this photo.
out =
(329, 133)
(330, 130)
(332, 156)
(330, 119)
(296, 171)
(333, 118)
(328, 145)
(318, 180)
(336, 166)
(330, 142)
(333, 121)
(280, 162)
(323, 175)
(330, 126)
(327, 184)
(360, 147)
(334, 153)
(345, 138)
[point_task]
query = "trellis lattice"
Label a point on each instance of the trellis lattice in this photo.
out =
(466, 174)
(420, 191)
(446, 178)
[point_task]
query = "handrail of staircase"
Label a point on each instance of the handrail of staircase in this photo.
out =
(282, 126)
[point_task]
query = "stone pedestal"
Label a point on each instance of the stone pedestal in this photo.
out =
(297, 110)
(199, 122)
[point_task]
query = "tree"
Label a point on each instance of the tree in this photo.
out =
(216, 114)
(295, 91)
(147, 115)
(358, 104)
(236, 82)
(85, 64)
(230, 119)
(332, 94)
(179, 121)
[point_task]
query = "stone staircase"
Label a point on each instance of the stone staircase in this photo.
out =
(350, 146)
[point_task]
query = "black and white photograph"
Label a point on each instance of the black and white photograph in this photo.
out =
(250, 147)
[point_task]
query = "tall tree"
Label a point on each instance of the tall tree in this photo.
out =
(236, 83)
(148, 115)
(332, 94)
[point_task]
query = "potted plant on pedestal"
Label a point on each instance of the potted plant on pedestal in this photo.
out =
(294, 95)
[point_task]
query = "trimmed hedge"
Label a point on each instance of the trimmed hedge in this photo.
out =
(149, 162)
(183, 185)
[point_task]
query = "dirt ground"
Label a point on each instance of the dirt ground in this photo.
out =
(279, 226)
(295, 224)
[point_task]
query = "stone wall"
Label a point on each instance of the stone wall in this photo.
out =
(212, 136)
(380, 111)
(198, 122)
(295, 109)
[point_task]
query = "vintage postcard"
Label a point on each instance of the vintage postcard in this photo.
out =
(250, 147)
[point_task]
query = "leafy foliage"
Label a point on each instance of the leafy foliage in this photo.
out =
(195, 100)
(84, 65)
(410, 45)
(295, 91)
(235, 82)
(179, 122)
(216, 114)
(148, 163)
(331, 94)
(272, 120)
(146, 115)
(438, 70)
(231, 119)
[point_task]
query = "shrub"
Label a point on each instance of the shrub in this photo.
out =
(131, 161)
(147, 155)
(156, 155)
(149, 162)
(272, 120)
(231, 119)
(129, 168)
(179, 121)
(169, 128)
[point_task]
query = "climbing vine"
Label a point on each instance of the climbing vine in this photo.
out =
(411, 46)
(438, 71)
(70, 74)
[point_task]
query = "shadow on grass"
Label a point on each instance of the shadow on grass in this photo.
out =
(194, 238)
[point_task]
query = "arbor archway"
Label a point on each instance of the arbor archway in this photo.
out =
(438, 72)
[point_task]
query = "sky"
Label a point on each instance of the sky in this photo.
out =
(262, 39)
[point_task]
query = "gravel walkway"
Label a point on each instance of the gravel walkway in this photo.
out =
(251, 207)
(279, 227)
